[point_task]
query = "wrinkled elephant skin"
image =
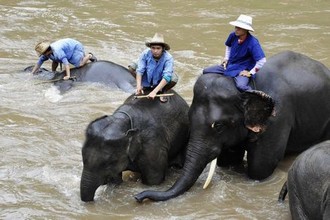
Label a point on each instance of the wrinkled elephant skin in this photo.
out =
(142, 135)
(308, 184)
(226, 123)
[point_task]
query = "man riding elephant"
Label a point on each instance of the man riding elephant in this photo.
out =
(155, 69)
(244, 55)
(66, 51)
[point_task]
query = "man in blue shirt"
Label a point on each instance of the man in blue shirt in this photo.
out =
(155, 68)
(244, 55)
(66, 51)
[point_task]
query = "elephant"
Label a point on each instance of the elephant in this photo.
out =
(308, 184)
(105, 72)
(288, 110)
(142, 135)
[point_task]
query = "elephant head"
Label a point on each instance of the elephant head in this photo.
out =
(222, 120)
(106, 153)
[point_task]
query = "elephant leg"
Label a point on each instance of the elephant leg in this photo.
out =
(178, 161)
(153, 167)
(296, 210)
(295, 202)
(265, 153)
(325, 208)
(231, 157)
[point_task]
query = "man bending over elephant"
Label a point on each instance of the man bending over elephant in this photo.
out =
(244, 55)
(155, 68)
(66, 51)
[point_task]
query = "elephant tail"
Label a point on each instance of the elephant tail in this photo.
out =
(283, 192)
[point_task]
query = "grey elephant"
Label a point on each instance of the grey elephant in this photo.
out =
(142, 135)
(289, 112)
(105, 72)
(308, 184)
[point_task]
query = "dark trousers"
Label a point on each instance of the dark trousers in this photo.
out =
(168, 86)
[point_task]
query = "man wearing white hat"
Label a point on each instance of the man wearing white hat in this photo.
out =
(244, 55)
(66, 51)
(154, 71)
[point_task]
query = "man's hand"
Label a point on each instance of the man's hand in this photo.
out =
(224, 64)
(139, 90)
(245, 73)
(152, 95)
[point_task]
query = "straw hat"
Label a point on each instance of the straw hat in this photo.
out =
(243, 21)
(158, 39)
(42, 47)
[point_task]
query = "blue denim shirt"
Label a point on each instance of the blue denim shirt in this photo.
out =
(242, 56)
(65, 51)
(153, 72)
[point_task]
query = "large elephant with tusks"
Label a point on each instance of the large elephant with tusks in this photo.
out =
(309, 184)
(142, 135)
(290, 111)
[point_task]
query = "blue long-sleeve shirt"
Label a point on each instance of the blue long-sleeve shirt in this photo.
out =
(153, 71)
(65, 51)
(243, 56)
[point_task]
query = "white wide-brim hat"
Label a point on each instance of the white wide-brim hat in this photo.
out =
(42, 47)
(244, 22)
(158, 39)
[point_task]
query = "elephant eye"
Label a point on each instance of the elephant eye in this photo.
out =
(219, 127)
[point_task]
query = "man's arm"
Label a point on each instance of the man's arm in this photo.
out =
(67, 70)
(138, 84)
(35, 68)
(225, 60)
(41, 60)
(158, 88)
(258, 66)
(253, 71)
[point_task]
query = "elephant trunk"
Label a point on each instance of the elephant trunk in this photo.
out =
(88, 186)
(196, 161)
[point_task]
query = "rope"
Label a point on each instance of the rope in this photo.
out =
(131, 122)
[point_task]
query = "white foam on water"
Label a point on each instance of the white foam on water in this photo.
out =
(53, 94)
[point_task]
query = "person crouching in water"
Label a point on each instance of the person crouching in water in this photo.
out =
(66, 51)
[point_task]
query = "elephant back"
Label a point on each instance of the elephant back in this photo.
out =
(154, 119)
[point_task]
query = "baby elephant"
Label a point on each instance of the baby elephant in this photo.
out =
(142, 135)
(308, 184)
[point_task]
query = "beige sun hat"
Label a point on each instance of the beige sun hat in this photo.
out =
(42, 47)
(243, 21)
(158, 39)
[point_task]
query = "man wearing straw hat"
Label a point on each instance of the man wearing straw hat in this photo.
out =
(154, 71)
(66, 51)
(244, 55)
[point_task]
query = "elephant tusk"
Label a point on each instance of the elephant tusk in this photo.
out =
(211, 172)
(212, 125)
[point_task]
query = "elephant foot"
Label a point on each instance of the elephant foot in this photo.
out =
(114, 180)
(130, 176)
(240, 168)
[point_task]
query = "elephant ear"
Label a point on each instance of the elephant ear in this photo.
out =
(134, 143)
(257, 107)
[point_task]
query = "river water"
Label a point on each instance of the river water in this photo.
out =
(42, 131)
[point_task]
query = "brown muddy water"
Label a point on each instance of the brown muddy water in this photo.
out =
(42, 131)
